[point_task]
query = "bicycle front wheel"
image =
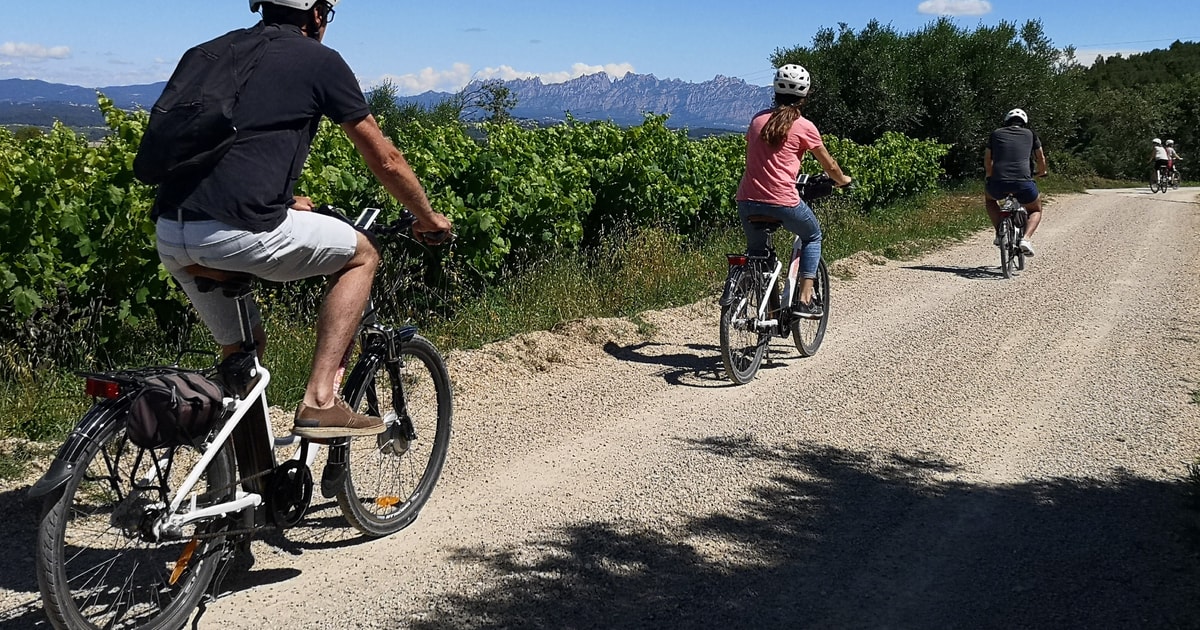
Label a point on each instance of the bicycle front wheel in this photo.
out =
(807, 333)
(99, 564)
(742, 345)
(390, 477)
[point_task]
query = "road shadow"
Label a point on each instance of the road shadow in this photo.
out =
(841, 539)
(970, 273)
(700, 369)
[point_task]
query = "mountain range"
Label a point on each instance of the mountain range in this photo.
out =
(723, 103)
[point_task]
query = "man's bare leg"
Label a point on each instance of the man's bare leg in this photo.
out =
(341, 312)
(993, 210)
(1035, 217)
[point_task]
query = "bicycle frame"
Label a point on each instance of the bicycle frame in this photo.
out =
(761, 322)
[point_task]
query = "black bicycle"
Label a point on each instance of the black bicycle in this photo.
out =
(755, 306)
(1014, 216)
(133, 537)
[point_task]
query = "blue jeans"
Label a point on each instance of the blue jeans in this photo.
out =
(798, 220)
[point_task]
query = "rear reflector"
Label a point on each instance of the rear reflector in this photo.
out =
(102, 389)
(738, 259)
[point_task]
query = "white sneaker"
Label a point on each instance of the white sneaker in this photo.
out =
(1027, 247)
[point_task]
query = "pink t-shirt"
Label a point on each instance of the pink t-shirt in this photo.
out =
(771, 171)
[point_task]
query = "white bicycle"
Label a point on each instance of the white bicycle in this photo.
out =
(133, 537)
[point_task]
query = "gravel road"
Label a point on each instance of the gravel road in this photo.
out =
(964, 452)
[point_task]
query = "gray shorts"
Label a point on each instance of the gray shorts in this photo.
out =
(306, 244)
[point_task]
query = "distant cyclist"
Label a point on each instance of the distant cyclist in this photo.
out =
(1172, 157)
(775, 146)
(1006, 162)
(1161, 159)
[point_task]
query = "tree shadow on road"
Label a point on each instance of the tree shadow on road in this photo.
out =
(840, 539)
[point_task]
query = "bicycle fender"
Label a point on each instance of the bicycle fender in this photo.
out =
(735, 276)
(90, 426)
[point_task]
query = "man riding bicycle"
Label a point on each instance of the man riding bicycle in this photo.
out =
(1006, 162)
(775, 146)
(242, 216)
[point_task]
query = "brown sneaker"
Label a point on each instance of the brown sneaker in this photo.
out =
(334, 422)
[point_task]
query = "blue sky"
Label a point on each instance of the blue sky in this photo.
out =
(441, 45)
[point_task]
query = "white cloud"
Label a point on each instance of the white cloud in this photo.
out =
(460, 74)
(955, 7)
(33, 51)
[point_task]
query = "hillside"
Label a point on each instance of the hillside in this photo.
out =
(724, 103)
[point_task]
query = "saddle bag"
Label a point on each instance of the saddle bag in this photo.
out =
(174, 409)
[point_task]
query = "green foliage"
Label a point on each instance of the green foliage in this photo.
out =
(76, 244)
(78, 266)
(1155, 67)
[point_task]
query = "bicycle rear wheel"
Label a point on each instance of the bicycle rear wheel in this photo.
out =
(390, 476)
(97, 564)
(742, 345)
(1006, 247)
(808, 333)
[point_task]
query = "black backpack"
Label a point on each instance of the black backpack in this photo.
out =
(191, 123)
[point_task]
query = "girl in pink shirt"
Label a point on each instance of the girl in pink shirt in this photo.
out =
(775, 145)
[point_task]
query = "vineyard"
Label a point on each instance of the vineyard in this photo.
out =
(77, 260)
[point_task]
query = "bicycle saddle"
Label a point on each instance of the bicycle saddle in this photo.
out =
(233, 283)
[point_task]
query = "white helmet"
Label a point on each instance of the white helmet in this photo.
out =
(1017, 113)
(303, 5)
(1170, 143)
(1156, 141)
(793, 80)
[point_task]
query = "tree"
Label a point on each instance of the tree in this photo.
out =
(941, 82)
(491, 98)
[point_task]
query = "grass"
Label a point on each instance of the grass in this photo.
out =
(627, 274)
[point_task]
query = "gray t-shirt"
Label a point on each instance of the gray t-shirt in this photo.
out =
(1012, 150)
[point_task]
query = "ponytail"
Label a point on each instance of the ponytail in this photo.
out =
(785, 113)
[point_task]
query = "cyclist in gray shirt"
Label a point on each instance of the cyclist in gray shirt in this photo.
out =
(1006, 161)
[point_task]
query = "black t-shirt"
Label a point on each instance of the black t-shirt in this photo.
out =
(297, 81)
(1012, 149)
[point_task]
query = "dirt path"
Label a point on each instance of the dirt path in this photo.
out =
(964, 451)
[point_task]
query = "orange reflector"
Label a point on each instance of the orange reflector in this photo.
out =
(387, 502)
(182, 563)
(102, 389)
(738, 260)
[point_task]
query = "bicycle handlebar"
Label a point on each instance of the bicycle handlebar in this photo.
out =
(813, 187)
(398, 227)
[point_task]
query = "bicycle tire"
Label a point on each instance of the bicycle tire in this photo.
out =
(742, 348)
(389, 478)
(94, 569)
(808, 334)
(1006, 246)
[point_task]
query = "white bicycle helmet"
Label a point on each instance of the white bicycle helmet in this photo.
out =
(793, 80)
(303, 5)
(1156, 141)
(1017, 113)
(1170, 143)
